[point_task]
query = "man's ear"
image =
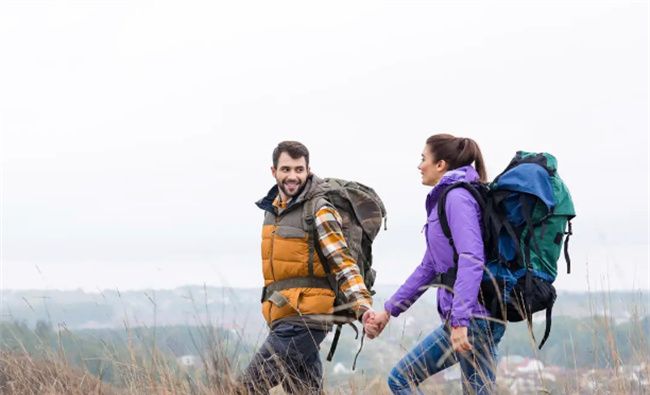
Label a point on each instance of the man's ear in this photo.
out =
(273, 170)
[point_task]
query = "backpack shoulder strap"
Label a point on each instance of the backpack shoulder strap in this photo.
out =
(309, 214)
(442, 202)
(449, 278)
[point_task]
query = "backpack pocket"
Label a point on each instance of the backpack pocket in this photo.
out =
(540, 296)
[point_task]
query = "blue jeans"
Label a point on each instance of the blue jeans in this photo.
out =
(434, 354)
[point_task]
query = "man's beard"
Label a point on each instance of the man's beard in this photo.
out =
(298, 188)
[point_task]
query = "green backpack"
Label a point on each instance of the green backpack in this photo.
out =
(526, 214)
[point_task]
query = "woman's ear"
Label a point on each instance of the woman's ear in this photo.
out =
(441, 165)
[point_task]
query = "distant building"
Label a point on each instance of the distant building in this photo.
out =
(452, 373)
(339, 368)
(187, 360)
(522, 375)
(515, 364)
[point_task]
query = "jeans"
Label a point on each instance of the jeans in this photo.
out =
(289, 355)
(434, 354)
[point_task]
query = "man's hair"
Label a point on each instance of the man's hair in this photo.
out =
(295, 150)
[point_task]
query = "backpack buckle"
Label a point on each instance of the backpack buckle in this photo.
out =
(309, 220)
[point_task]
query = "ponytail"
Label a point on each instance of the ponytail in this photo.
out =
(458, 152)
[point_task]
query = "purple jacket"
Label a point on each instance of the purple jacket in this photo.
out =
(463, 214)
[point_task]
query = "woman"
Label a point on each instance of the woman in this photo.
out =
(467, 335)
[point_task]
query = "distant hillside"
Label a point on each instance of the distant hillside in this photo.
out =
(239, 308)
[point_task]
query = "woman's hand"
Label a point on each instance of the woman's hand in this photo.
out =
(459, 340)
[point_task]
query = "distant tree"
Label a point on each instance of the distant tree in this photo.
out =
(43, 330)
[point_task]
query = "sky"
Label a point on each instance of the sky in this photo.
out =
(135, 136)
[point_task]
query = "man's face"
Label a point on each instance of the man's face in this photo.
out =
(291, 174)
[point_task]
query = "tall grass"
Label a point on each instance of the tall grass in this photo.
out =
(43, 364)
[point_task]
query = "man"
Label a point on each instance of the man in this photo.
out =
(298, 300)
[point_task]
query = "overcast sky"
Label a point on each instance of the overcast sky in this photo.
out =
(135, 136)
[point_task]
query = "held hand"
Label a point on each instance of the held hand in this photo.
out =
(382, 318)
(376, 324)
(368, 316)
(459, 340)
(368, 320)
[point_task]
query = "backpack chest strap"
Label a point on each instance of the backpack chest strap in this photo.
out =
(294, 282)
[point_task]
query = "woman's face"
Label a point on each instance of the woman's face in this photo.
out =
(431, 169)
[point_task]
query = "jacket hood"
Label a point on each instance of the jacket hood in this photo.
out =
(461, 174)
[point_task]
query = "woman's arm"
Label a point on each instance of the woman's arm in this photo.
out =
(413, 287)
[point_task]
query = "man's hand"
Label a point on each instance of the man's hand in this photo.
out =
(367, 316)
(375, 323)
(459, 340)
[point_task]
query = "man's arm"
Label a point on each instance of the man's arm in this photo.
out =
(335, 250)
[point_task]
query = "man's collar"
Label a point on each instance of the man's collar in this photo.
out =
(266, 203)
(279, 203)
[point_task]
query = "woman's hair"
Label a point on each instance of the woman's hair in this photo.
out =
(457, 152)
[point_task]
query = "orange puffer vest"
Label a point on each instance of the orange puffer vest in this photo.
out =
(291, 286)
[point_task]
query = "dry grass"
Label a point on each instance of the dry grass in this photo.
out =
(51, 374)
(144, 369)
(20, 374)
